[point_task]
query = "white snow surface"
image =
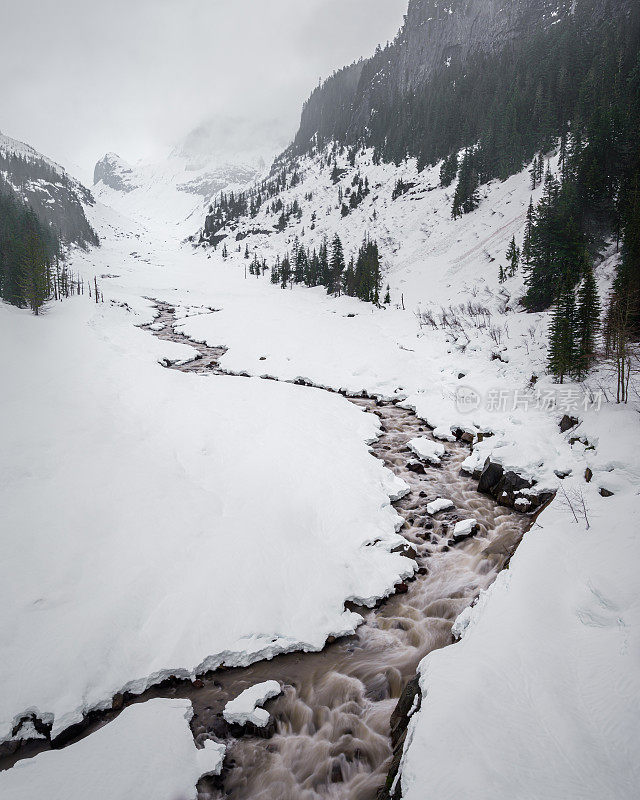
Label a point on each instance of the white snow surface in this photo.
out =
(540, 699)
(246, 706)
(441, 504)
(427, 449)
(148, 753)
(464, 527)
(157, 523)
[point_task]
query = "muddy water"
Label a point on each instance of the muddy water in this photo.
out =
(331, 735)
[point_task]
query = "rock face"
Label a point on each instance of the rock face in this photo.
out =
(434, 34)
(58, 199)
(114, 172)
(510, 489)
(408, 704)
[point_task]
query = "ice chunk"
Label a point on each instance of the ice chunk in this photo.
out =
(245, 708)
(427, 449)
(464, 528)
(439, 505)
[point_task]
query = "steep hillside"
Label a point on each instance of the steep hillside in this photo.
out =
(58, 200)
(509, 75)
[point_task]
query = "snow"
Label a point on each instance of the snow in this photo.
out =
(441, 504)
(548, 658)
(245, 708)
(444, 434)
(158, 523)
(246, 508)
(464, 528)
(148, 753)
(427, 449)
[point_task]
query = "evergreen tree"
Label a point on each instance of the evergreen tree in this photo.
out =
(562, 345)
(285, 272)
(449, 170)
(587, 320)
(466, 197)
(35, 266)
(513, 257)
(336, 266)
(387, 297)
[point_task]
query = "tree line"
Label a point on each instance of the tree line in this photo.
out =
(326, 265)
(32, 270)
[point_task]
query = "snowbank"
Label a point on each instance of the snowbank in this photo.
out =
(147, 753)
(158, 524)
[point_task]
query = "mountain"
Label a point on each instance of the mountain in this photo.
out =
(510, 75)
(58, 199)
(216, 156)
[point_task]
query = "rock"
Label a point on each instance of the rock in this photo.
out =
(407, 701)
(490, 478)
(416, 466)
(118, 702)
(464, 529)
(605, 493)
(441, 504)
(567, 422)
(406, 549)
(462, 375)
(467, 438)
(588, 475)
(401, 588)
(198, 684)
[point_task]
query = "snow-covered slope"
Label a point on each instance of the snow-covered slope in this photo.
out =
(175, 190)
(228, 503)
(59, 200)
(541, 697)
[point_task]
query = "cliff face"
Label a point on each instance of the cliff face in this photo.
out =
(58, 200)
(435, 34)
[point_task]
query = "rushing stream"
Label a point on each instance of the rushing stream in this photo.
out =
(331, 737)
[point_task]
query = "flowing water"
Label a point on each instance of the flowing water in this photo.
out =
(332, 723)
(331, 735)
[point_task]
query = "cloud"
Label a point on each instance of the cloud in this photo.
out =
(82, 77)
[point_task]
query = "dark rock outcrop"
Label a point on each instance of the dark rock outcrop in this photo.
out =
(408, 704)
(509, 487)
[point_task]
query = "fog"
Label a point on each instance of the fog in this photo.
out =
(81, 78)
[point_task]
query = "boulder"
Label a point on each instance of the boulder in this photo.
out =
(567, 422)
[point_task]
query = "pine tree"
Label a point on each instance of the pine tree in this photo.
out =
(587, 320)
(387, 297)
(534, 173)
(35, 267)
(513, 257)
(562, 345)
(449, 170)
(336, 266)
(285, 272)
(466, 197)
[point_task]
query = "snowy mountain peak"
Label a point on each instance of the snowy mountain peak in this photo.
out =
(114, 171)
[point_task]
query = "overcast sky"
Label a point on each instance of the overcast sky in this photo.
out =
(83, 77)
